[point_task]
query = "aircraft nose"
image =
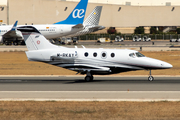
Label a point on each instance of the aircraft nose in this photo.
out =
(166, 65)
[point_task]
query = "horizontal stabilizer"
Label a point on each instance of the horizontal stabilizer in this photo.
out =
(27, 29)
(95, 28)
(78, 26)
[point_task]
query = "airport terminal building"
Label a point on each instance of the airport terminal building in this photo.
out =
(125, 15)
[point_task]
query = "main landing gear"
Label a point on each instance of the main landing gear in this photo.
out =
(150, 78)
(89, 77)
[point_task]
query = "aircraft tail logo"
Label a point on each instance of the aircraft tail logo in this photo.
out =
(77, 15)
(93, 18)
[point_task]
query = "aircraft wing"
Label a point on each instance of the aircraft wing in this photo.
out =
(85, 67)
(13, 32)
(78, 26)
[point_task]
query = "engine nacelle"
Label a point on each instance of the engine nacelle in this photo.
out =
(1, 39)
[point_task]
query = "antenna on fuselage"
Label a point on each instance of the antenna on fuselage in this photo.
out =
(83, 46)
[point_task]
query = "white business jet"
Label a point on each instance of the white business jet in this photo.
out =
(87, 61)
(71, 25)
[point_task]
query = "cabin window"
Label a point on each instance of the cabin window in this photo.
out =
(103, 54)
(138, 54)
(86, 54)
(112, 55)
(95, 54)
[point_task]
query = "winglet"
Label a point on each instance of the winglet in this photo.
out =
(77, 15)
(14, 26)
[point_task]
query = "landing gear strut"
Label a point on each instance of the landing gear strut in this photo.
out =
(89, 77)
(150, 78)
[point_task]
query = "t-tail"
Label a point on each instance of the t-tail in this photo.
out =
(77, 15)
(34, 40)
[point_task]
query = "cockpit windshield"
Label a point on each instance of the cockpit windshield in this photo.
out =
(137, 54)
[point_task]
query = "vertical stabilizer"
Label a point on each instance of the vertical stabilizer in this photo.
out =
(34, 39)
(94, 17)
(77, 15)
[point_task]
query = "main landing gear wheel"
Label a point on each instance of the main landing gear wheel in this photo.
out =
(89, 78)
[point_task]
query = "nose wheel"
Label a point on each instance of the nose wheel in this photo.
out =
(150, 78)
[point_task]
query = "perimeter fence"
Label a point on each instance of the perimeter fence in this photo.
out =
(129, 36)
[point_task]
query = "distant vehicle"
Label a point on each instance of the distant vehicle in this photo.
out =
(2, 24)
(136, 39)
(75, 39)
(65, 40)
(175, 40)
(101, 40)
(119, 39)
(145, 38)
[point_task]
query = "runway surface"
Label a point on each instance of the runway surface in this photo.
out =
(77, 83)
(74, 88)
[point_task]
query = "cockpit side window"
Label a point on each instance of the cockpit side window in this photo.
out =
(138, 54)
(132, 55)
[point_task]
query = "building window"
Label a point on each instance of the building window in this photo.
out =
(128, 3)
(65, 9)
(119, 9)
(168, 3)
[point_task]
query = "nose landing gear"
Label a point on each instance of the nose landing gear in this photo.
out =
(150, 78)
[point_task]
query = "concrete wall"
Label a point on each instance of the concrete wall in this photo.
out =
(3, 14)
(50, 11)
(136, 2)
(131, 16)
